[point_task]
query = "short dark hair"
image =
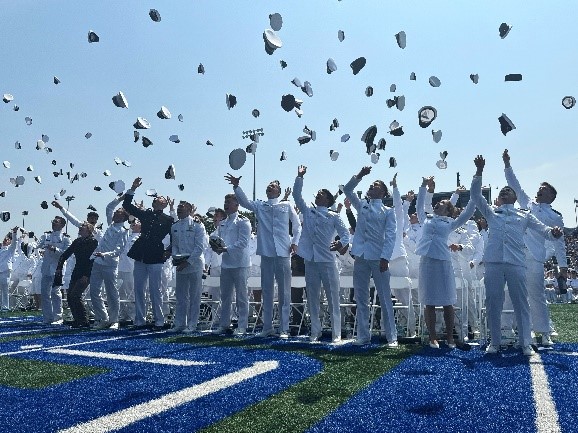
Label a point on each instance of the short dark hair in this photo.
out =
(552, 189)
(232, 196)
(219, 211)
(329, 196)
(92, 214)
(60, 219)
(382, 183)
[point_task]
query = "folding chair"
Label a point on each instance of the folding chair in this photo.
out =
(255, 306)
(210, 307)
(298, 317)
(347, 307)
(18, 297)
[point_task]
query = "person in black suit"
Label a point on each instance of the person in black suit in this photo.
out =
(149, 255)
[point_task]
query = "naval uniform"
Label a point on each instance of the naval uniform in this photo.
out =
(274, 247)
(51, 296)
(319, 227)
(536, 253)
(148, 254)
(505, 262)
(188, 237)
(6, 257)
(373, 241)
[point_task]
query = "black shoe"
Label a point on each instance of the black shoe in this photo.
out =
(80, 325)
(138, 327)
(158, 328)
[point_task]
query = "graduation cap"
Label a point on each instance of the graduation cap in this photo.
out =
(283, 156)
(251, 148)
(395, 128)
(331, 66)
(288, 102)
(136, 136)
(374, 158)
(181, 187)
(201, 69)
(272, 41)
(38, 179)
(434, 81)
(401, 39)
(146, 142)
(17, 145)
(400, 102)
(209, 143)
(97, 188)
(442, 164)
(28, 120)
(283, 64)
(475, 78)
(56, 80)
(392, 162)
(381, 144)
(7, 97)
(333, 154)
(255, 113)
(18, 181)
(513, 77)
(436, 135)
(345, 138)
(126, 163)
(506, 125)
(2, 193)
(120, 100)
(391, 102)
(5, 216)
(16, 107)
(39, 145)
(304, 139)
(91, 207)
(368, 137)
(237, 158)
(88, 135)
(83, 175)
(568, 102)
(334, 125)
(392, 88)
(117, 161)
(297, 82)
(117, 186)
(504, 29)
(164, 113)
(92, 37)
(211, 212)
(180, 117)
(310, 132)
(6, 164)
(151, 192)
(412, 76)
(174, 139)
(369, 91)
(170, 172)
(307, 89)
(426, 115)
(106, 173)
(230, 100)
(44, 205)
(155, 16)
(357, 65)
(45, 138)
(276, 21)
(141, 123)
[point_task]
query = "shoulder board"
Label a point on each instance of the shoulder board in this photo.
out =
(241, 217)
(99, 226)
(429, 215)
(524, 210)
(555, 211)
(48, 232)
(332, 211)
(197, 219)
(66, 235)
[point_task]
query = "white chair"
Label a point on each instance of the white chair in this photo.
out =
(348, 308)
(255, 306)
(210, 307)
(18, 297)
(299, 309)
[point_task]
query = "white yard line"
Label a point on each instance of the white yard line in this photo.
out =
(36, 349)
(546, 414)
(131, 358)
(125, 417)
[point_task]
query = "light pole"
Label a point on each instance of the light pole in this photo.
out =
(254, 135)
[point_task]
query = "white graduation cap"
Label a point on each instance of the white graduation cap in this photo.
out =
(341, 35)
(297, 82)
(174, 139)
(6, 164)
(331, 66)
(126, 163)
(426, 115)
(276, 21)
(120, 100)
(7, 97)
(170, 172)
(307, 88)
(39, 145)
(38, 179)
(436, 135)
(434, 81)
(117, 161)
(141, 123)
(106, 172)
(345, 138)
(374, 158)
(155, 16)
(30, 168)
(151, 192)
(401, 39)
(272, 41)
(333, 154)
(237, 158)
(164, 113)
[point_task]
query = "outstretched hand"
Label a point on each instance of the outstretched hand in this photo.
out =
(301, 170)
(393, 182)
(364, 171)
(506, 158)
(480, 162)
(233, 180)
(136, 183)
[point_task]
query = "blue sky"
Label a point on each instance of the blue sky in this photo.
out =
(155, 64)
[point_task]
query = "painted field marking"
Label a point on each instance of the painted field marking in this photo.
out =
(132, 358)
(125, 417)
(546, 414)
(36, 349)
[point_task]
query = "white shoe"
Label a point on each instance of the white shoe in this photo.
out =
(336, 340)
(528, 351)
(101, 325)
(266, 333)
(57, 322)
(314, 338)
(392, 345)
(240, 331)
(492, 349)
(546, 340)
(113, 326)
(284, 335)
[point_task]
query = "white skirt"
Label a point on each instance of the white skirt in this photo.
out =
(437, 285)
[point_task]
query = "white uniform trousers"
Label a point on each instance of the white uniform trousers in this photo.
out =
(496, 276)
(315, 274)
(126, 296)
(276, 269)
(188, 293)
(4, 283)
(104, 274)
(237, 278)
(152, 273)
(363, 270)
(51, 300)
(539, 313)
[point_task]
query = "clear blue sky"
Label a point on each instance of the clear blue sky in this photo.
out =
(155, 64)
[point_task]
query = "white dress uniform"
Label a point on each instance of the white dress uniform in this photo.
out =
(505, 261)
(6, 257)
(319, 228)
(472, 278)
(374, 240)
(235, 232)
(461, 265)
(273, 245)
(104, 270)
(51, 296)
(536, 253)
(125, 274)
(410, 241)
(188, 238)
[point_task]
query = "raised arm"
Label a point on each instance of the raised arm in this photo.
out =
(111, 207)
(522, 198)
(127, 202)
(73, 220)
(239, 193)
(349, 187)
(298, 189)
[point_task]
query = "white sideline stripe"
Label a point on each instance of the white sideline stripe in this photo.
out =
(546, 414)
(102, 340)
(24, 331)
(125, 417)
(119, 357)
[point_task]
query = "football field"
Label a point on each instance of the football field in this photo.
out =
(58, 380)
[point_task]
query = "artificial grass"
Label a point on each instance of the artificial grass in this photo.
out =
(564, 317)
(345, 372)
(30, 374)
